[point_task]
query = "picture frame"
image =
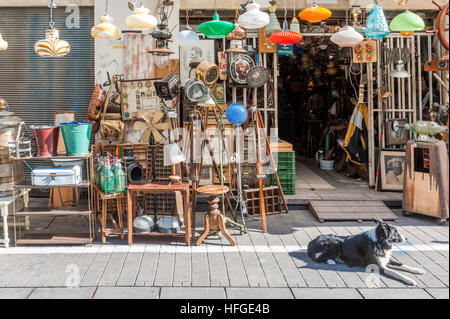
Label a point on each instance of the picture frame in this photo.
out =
(138, 95)
(392, 169)
(399, 136)
(203, 51)
(220, 93)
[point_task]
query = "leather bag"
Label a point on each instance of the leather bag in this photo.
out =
(112, 130)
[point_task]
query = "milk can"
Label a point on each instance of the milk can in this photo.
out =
(9, 128)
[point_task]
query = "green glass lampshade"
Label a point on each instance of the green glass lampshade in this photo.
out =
(206, 100)
(216, 29)
(407, 21)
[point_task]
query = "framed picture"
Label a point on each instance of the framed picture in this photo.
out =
(392, 169)
(139, 95)
(219, 93)
(240, 65)
(396, 135)
(203, 51)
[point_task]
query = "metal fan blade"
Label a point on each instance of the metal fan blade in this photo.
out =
(157, 136)
(146, 116)
(140, 125)
(146, 136)
(157, 116)
(162, 126)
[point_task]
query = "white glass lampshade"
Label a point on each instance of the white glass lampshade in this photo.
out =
(3, 43)
(141, 19)
(187, 38)
(161, 61)
(106, 29)
(253, 18)
(400, 71)
(52, 46)
(347, 37)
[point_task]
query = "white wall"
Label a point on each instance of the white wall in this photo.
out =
(118, 9)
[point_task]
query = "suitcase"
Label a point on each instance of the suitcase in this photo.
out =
(56, 176)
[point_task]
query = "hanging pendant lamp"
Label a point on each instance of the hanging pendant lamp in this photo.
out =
(295, 25)
(52, 46)
(347, 37)
(285, 36)
(106, 29)
(141, 19)
(406, 23)
(400, 71)
(216, 29)
(274, 25)
(377, 27)
(3, 44)
(187, 37)
(253, 18)
(314, 13)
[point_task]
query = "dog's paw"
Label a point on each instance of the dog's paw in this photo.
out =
(419, 272)
(410, 282)
(331, 262)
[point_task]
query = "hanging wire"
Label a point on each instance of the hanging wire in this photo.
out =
(106, 7)
(51, 24)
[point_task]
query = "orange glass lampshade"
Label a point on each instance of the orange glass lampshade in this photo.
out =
(314, 14)
(286, 37)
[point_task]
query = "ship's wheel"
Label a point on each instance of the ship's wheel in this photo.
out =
(442, 27)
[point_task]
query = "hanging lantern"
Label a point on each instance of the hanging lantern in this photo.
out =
(295, 25)
(406, 23)
(216, 29)
(106, 29)
(377, 27)
(237, 39)
(161, 52)
(314, 14)
(3, 44)
(274, 25)
(285, 36)
(253, 18)
(346, 37)
(52, 46)
(187, 37)
(400, 71)
(141, 19)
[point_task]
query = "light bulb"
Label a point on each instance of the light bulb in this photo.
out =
(161, 61)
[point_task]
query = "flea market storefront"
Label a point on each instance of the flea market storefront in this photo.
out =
(134, 112)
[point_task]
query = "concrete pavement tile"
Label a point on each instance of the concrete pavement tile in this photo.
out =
(325, 293)
(439, 293)
(127, 293)
(259, 293)
(192, 293)
(389, 293)
(63, 293)
(15, 293)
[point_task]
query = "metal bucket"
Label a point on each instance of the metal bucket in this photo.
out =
(46, 140)
(77, 136)
(10, 171)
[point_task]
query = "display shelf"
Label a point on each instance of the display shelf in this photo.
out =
(57, 238)
(83, 184)
(51, 157)
(56, 212)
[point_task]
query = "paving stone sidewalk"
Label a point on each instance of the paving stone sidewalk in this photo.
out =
(270, 265)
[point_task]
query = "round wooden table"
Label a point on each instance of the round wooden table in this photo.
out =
(214, 220)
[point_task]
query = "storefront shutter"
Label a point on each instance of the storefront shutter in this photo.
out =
(37, 87)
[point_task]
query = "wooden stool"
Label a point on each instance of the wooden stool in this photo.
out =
(214, 220)
(105, 200)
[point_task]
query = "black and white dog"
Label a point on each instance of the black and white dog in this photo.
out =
(370, 248)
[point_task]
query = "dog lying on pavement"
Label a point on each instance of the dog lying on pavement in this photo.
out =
(373, 247)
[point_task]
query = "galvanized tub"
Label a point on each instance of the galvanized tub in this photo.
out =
(10, 171)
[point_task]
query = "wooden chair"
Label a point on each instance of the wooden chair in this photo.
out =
(102, 201)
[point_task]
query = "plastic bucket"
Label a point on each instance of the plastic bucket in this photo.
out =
(46, 140)
(76, 137)
(326, 165)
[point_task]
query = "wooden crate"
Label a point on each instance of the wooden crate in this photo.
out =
(272, 198)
